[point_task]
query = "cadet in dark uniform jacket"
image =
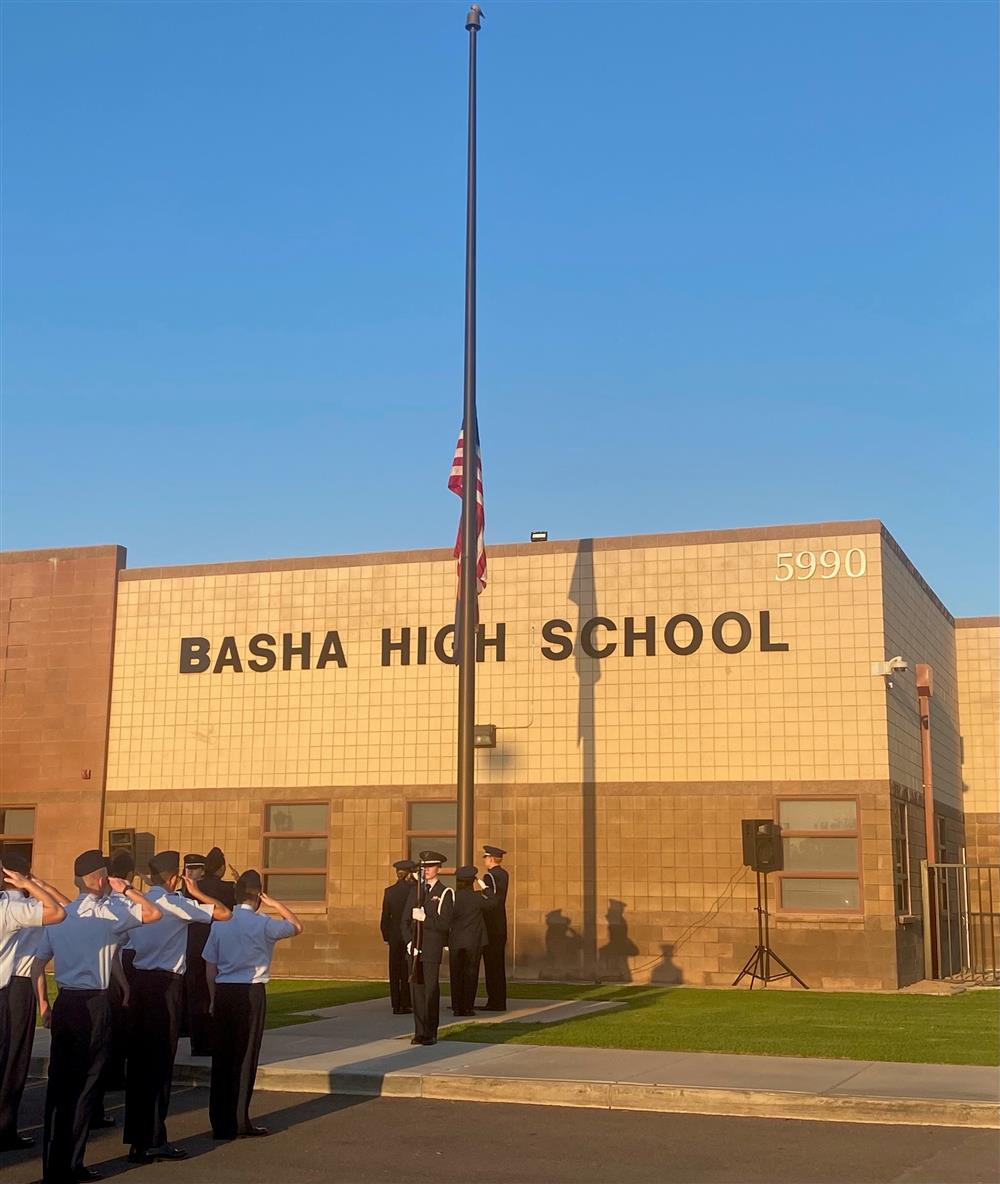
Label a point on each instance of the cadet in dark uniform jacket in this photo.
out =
(197, 1022)
(393, 903)
(212, 883)
(466, 938)
(208, 872)
(494, 955)
(426, 930)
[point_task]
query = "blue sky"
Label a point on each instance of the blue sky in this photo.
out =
(737, 267)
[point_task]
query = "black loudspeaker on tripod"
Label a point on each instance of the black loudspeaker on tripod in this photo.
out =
(762, 851)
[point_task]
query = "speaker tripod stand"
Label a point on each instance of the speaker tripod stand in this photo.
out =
(758, 965)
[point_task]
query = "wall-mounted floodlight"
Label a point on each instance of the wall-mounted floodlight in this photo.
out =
(484, 736)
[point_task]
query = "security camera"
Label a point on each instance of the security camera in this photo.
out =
(895, 665)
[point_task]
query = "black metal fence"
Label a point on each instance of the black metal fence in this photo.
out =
(963, 941)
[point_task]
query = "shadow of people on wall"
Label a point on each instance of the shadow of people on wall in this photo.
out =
(583, 593)
(613, 958)
(563, 947)
(667, 973)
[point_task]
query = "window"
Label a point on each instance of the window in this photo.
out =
(943, 879)
(819, 839)
(942, 840)
(17, 830)
(433, 825)
(295, 846)
(901, 859)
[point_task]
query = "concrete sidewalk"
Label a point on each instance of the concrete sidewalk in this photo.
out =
(363, 1049)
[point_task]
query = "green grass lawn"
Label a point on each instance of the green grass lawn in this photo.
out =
(287, 996)
(957, 1030)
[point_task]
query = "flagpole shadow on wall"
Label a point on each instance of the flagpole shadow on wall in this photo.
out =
(583, 593)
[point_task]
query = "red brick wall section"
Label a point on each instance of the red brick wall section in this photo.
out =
(57, 621)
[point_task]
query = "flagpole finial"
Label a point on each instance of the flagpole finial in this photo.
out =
(472, 20)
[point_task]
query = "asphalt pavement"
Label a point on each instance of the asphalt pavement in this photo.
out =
(360, 1140)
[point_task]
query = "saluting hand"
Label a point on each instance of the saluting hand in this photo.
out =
(16, 878)
(118, 884)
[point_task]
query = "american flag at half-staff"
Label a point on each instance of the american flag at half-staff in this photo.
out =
(455, 485)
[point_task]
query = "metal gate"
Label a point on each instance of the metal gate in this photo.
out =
(962, 943)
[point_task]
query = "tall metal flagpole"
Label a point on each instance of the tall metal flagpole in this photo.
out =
(469, 589)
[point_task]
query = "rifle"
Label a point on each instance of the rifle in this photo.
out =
(417, 941)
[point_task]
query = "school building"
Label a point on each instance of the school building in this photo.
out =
(637, 696)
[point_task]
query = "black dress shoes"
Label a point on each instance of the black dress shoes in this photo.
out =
(417, 1040)
(102, 1120)
(168, 1151)
(17, 1143)
(255, 1132)
(83, 1174)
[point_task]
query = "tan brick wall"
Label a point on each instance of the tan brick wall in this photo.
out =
(977, 642)
(57, 619)
(667, 857)
(919, 629)
(813, 712)
(618, 784)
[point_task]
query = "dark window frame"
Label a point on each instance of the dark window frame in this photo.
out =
(799, 874)
(324, 871)
(417, 833)
(902, 887)
(20, 840)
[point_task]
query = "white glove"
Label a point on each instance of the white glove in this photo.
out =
(409, 947)
(419, 915)
(482, 885)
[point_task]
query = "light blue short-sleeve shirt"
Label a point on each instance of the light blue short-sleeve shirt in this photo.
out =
(84, 945)
(18, 915)
(163, 946)
(242, 949)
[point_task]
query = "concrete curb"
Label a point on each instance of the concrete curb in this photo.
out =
(610, 1095)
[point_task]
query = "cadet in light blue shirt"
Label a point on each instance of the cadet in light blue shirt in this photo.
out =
(154, 1012)
(24, 909)
(84, 948)
(238, 964)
